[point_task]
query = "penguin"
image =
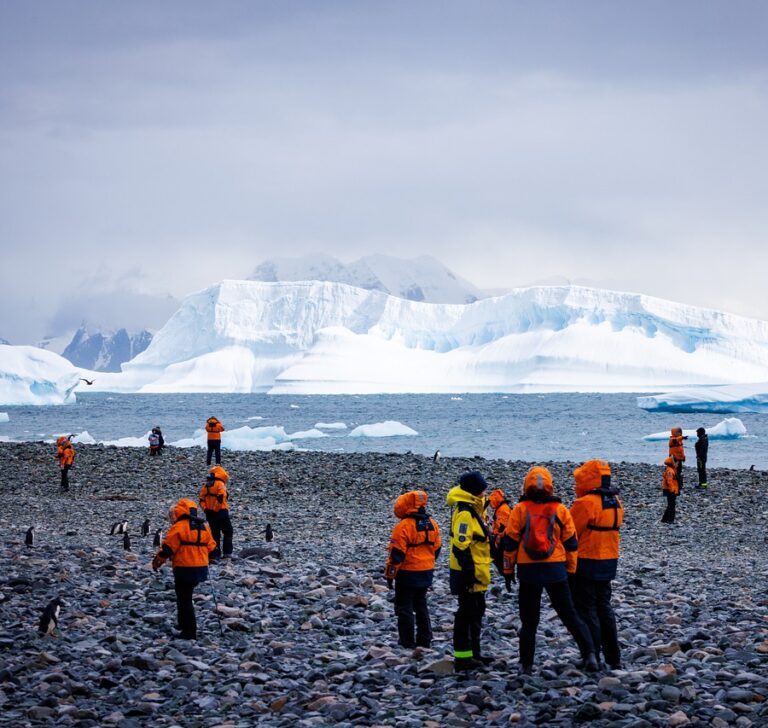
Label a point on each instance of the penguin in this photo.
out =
(436, 456)
(268, 532)
(49, 619)
(29, 539)
(156, 540)
(118, 528)
(145, 528)
(751, 468)
(127, 542)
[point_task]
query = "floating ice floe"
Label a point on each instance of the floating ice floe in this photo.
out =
(4, 417)
(731, 428)
(726, 398)
(389, 428)
(331, 426)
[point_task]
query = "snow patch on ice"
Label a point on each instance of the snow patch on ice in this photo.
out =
(389, 428)
(723, 399)
(84, 438)
(731, 428)
(331, 426)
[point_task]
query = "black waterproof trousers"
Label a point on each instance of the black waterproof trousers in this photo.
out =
(185, 610)
(467, 624)
(701, 466)
(411, 611)
(65, 477)
(529, 602)
(593, 603)
(669, 513)
(214, 446)
(221, 530)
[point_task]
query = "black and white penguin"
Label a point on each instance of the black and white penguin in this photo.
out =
(50, 617)
(156, 540)
(29, 539)
(145, 528)
(436, 456)
(127, 542)
(269, 534)
(118, 528)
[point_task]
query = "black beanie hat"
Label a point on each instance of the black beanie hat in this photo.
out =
(473, 482)
(700, 431)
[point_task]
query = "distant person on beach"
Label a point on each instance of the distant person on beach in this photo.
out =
(214, 428)
(597, 515)
(66, 457)
(670, 486)
(540, 540)
(187, 543)
(702, 449)
(501, 510)
(156, 441)
(214, 500)
(677, 451)
(413, 548)
(470, 570)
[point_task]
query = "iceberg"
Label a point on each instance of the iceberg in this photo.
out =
(330, 426)
(31, 376)
(723, 399)
(4, 417)
(390, 428)
(731, 428)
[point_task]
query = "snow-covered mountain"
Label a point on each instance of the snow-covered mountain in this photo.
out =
(419, 279)
(321, 337)
(105, 351)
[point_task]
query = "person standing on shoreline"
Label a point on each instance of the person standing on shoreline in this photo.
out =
(677, 451)
(213, 499)
(702, 450)
(541, 541)
(213, 428)
(501, 510)
(413, 548)
(597, 515)
(66, 456)
(470, 570)
(670, 486)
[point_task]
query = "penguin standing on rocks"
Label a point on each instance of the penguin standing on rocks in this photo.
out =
(436, 456)
(269, 534)
(29, 539)
(145, 528)
(127, 541)
(118, 528)
(156, 540)
(49, 619)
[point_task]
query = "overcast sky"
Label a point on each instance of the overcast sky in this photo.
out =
(157, 147)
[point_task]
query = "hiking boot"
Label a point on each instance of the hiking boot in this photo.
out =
(462, 664)
(525, 669)
(485, 659)
(590, 663)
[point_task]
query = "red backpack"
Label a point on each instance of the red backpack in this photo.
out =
(538, 536)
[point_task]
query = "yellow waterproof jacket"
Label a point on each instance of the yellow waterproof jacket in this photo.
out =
(470, 557)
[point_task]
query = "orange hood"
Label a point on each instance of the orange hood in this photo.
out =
(410, 502)
(677, 431)
(496, 498)
(590, 476)
(670, 461)
(185, 507)
(61, 440)
(219, 473)
(538, 480)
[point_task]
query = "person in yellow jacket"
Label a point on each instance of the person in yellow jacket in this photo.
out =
(213, 429)
(65, 454)
(597, 515)
(187, 544)
(470, 567)
(214, 498)
(540, 540)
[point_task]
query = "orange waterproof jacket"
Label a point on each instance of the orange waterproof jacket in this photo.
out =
(415, 542)
(213, 494)
(676, 447)
(501, 510)
(214, 428)
(187, 543)
(65, 452)
(597, 515)
(669, 482)
(538, 519)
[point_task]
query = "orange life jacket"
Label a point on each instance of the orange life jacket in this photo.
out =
(676, 447)
(214, 428)
(415, 540)
(669, 482)
(213, 495)
(66, 454)
(190, 541)
(501, 511)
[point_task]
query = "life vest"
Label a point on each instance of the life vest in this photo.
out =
(676, 446)
(193, 544)
(66, 454)
(611, 515)
(214, 428)
(538, 535)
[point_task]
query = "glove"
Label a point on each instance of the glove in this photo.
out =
(389, 583)
(509, 579)
(157, 562)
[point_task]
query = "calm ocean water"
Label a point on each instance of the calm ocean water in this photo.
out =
(522, 426)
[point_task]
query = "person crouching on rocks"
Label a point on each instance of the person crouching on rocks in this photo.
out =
(501, 510)
(597, 515)
(213, 499)
(670, 487)
(413, 548)
(677, 451)
(541, 541)
(66, 457)
(470, 569)
(187, 543)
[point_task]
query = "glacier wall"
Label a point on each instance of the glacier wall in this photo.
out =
(323, 337)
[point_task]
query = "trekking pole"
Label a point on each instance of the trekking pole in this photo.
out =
(215, 602)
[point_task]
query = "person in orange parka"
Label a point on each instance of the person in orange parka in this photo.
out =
(214, 500)
(501, 510)
(66, 456)
(213, 428)
(670, 486)
(413, 548)
(187, 544)
(540, 539)
(677, 451)
(597, 515)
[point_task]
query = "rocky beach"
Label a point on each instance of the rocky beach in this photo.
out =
(301, 632)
